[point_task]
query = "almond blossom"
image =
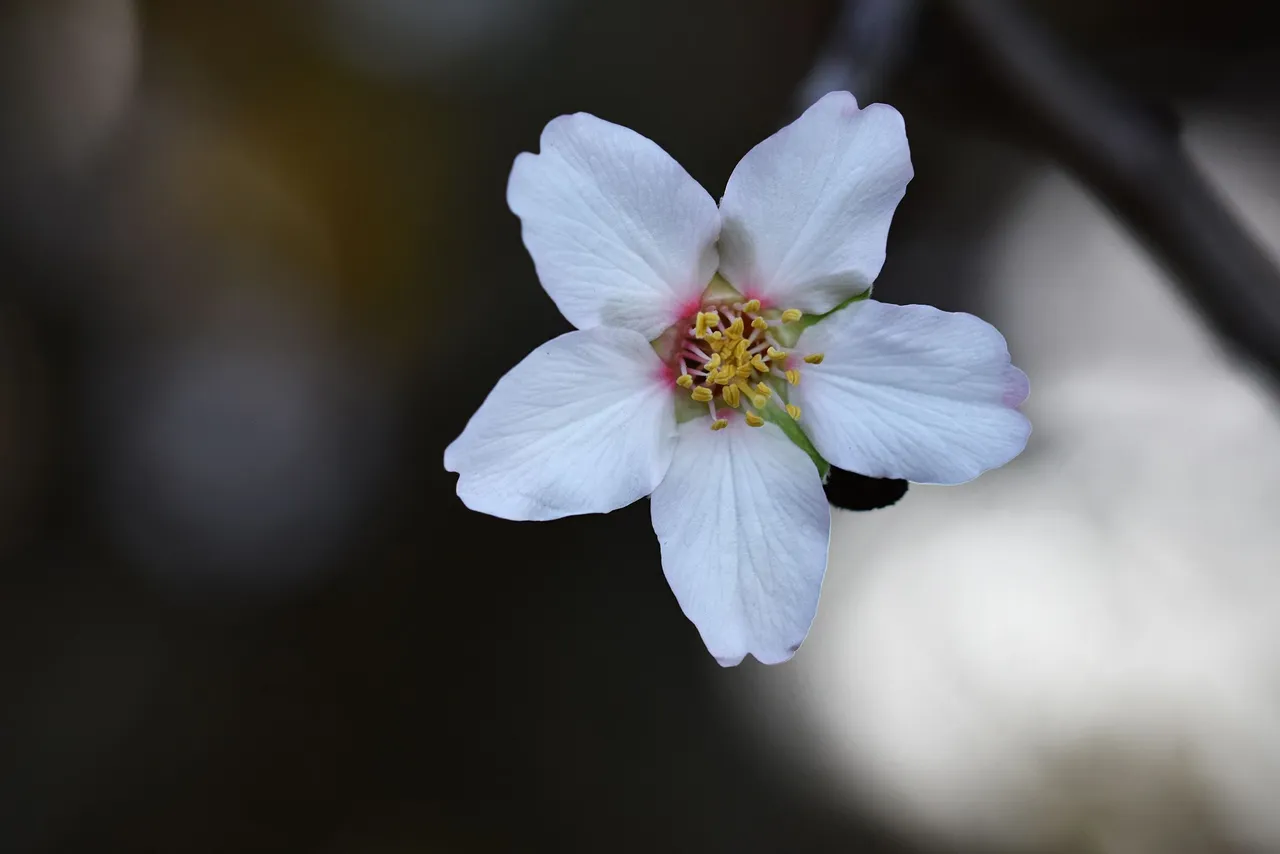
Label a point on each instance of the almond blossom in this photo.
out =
(725, 356)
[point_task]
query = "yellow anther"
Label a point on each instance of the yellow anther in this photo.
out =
(759, 401)
(740, 350)
(735, 328)
(725, 375)
(700, 326)
(712, 363)
(814, 358)
(751, 306)
(684, 381)
(793, 376)
(759, 323)
(765, 390)
(775, 354)
(715, 336)
(754, 420)
(713, 319)
(791, 315)
(719, 424)
(758, 364)
(743, 371)
(793, 411)
(731, 395)
(702, 394)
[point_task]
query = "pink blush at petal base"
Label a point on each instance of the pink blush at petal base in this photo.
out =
(688, 308)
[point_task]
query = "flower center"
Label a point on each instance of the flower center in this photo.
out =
(730, 360)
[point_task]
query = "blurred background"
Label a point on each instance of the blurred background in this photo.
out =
(256, 270)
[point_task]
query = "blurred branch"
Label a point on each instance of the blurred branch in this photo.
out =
(1132, 158)
(868, 42)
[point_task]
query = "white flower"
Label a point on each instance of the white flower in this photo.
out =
(680, 383)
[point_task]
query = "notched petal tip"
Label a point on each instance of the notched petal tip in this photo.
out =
(767, 658)
(781, 657)
(565, 126)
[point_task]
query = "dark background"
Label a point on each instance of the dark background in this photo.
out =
(256, 270)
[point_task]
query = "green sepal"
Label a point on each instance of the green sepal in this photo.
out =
(719, 289)
(687, 408)
(779, 416)
(789, 333)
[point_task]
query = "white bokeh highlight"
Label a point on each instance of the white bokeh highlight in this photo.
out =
(1080, 652)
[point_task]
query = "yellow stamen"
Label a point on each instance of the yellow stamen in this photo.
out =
(700, 326)
(736, 369)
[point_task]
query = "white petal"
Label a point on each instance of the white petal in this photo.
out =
(743, 525)
(620, 234)
(585, 424)
(910, 392)
(806, 213)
